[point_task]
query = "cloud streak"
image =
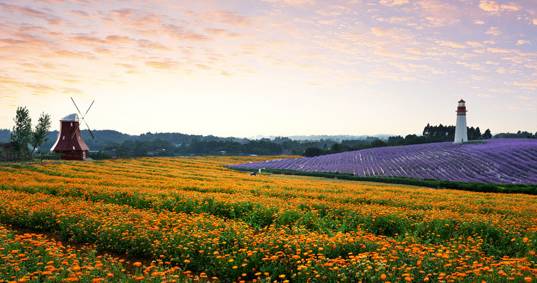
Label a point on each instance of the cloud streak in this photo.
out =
(496, 7)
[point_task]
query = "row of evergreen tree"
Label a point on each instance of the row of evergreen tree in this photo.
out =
(446, 133)
(430, 134)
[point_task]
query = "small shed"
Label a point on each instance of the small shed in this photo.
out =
(8, 151)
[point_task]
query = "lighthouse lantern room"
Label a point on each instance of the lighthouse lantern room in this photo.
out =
(461, 133)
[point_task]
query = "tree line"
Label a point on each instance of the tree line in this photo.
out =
(162, 145)
(25, 140)
(446, 133)
(430, 134)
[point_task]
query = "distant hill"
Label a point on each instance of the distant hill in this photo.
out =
(104, 138)
(110, 143)
(107, 138)
(4, 135)
(336, 138)
(500, 161)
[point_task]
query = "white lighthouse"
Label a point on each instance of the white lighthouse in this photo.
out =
(461, 134)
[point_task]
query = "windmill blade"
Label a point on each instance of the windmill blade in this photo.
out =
(88, 109)
(91, 134)
(89, 130)
(82, 116)
(76, 106)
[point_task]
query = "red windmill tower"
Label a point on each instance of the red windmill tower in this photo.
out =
(69, 143)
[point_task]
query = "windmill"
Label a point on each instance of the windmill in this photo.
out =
(69, 143)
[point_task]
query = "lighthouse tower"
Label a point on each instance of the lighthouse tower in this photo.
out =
(461, 134)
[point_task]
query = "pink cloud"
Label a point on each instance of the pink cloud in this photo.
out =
(119, 39)
(80, 13)
(162, 64)
(392, 3)
(152, 45)
(72, 54)
(86, 39)
(438, 13)
(32, 87)
(492, 6)
(292, 2)
(183, 34)
(528, 85)
(450, 44)
(522, 42)
(29, 12)
(494, 31)
(226, 17)
(221, 32)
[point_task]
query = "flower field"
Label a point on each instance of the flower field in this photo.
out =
(499, 161)
(177, 219)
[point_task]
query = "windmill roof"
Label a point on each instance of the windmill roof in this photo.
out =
(70, 118)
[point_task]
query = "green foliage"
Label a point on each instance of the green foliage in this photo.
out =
(487, 135)
(313, 151)
(40, 132)
(21, 134)
(436, 184)
(389, 225)
(288, 217)
(517, 135)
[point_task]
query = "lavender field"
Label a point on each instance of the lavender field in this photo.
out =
(500, 161)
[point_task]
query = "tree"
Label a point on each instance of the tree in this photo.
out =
(487, 134)
(397, 140)
(313, 151)
(39, 136)
(335, 148)
(21, 135)
(378, 143)
(427, 130)
(477, 133)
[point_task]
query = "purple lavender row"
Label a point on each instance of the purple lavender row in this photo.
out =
(501, 161)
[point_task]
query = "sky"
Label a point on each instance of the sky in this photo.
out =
(271, 67)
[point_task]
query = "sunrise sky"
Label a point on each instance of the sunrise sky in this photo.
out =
(273, 67)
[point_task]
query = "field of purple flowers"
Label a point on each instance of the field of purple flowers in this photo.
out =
(500, 161)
